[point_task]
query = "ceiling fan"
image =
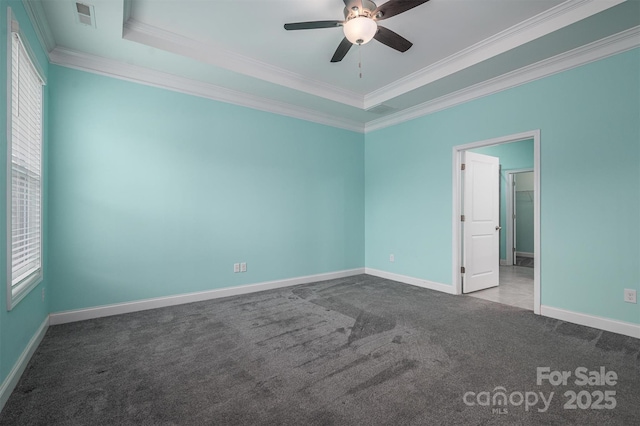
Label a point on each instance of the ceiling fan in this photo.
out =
(360, 24)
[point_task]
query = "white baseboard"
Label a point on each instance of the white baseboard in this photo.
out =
(607, 324)
(411, 280)
(524, 254)
(12, 379)
(160, 302)
(503, 262)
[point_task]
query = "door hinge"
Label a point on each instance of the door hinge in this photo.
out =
(462, 218)
(462, 269)
(463, 166)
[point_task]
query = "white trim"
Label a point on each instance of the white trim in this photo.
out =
(418, 282)
(120, 70)
(504, 262)
(210, 54)
(38, 18)
(524, 254)
(537, 289)
(608, 46)
(591, 52)
(607, 324)
(550, 20)
(24, 41)
(13, 377)
(21, 291)
(457, 191)
(510, 229)
(15, 294)
(601, 49)
(179, 299)
(8, 165)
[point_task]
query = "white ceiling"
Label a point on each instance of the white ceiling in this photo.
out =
(238, 50)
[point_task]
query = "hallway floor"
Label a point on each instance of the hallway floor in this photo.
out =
(515, 289)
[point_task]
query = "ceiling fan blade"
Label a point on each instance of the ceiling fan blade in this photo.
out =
(395, 7)
(393, 40)
(312, 25)
(342, 50)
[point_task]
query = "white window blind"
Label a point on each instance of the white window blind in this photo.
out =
(26, 169)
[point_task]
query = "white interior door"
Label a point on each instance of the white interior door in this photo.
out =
(481, 226)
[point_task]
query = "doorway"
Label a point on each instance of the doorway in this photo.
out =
(510, 149)
(519, 232)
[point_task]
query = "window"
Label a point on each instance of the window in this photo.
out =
(24, 215)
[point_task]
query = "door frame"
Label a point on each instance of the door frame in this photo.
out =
(510, 200)
(457, 208)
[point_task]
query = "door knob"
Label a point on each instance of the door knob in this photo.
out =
(498, 228)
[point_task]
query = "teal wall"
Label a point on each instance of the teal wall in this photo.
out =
(156, 193)
(152, 193)
(513, 156)
(590, 154)
(18, 326)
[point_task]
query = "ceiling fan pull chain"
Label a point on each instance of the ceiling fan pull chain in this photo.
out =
(360, 59)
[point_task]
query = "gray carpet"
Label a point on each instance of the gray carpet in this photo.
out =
(353, 351)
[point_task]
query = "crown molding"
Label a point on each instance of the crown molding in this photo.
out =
(137, 74)
(612, 45)
(165, 40)
(38, 18)
(551, 20)
(608, 46)
(562, 15)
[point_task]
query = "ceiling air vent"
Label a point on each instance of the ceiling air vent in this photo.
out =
(381, 109)
(86, 14)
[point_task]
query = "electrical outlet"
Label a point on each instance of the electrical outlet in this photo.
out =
(236, 267)
(392, 258)
(243, 267)
(630, 295)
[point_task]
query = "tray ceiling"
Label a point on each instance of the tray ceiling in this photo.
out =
(238, 51)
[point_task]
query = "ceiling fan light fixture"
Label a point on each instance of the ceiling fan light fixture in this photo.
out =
(360, 30)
